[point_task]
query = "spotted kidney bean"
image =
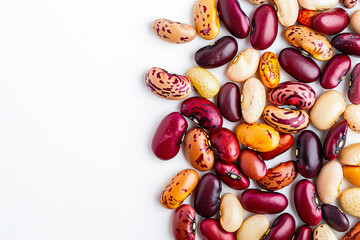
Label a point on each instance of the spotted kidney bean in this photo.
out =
(173, 32)
(335, 217)
(348, 3)
(335, 140)
(231, 175)
(335, 71)
(212, 230)
(305, 17)
(207, 23)
(251, 165)
(303, 233)
(228, 102)
(354, 233)
(269, 69)
(354, 86)
(348, 43)
(226, 144)
(282, 228)
(286, 142)
(183, 223)
(331, 21)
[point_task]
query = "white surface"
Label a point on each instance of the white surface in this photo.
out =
(76, 119)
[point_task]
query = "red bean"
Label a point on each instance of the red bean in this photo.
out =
(228, 102)
(286, 142)
(251, 165)
(335, 140)
(226, 144)
(183, 223)
(348, 43)
(282, 228)
(331, 21)
(335, 71)
(212, 230)
(354, 87)
(231, 175)
(303, 233)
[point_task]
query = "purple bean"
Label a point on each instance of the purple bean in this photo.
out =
(282, 228)
(348, 43)
(331, 21)
(335, 140)
(335, 217)
(335, 71)
(354, 87)
(228, 102)
(303, 233)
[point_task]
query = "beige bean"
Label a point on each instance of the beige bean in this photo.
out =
(231, 213)
(350, 201)
(204, 82)
(350, 155)
(324, 232)
(328, 182)
(352, 116)
(253, 227)
(253, 99)
(287, 11)
(244, 65)
(173, 32)
(257, 2)
(318, 4)
(355, 21)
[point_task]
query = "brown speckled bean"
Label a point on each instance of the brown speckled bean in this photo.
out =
(348, 3)
(173, 32)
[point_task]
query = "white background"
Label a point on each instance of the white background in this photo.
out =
(76, 119)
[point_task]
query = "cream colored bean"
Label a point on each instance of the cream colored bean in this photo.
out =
(350, 155)
(253, 227)
(244, 65)
(257, 2)
(326, 110)
(328, 182)
(287, 11)
(231, 213)
(204, 82)
(253, 99)
(350, 201)
(352, 116)
(324, 232)
(318, 4)
(173, 32)
(355, 21)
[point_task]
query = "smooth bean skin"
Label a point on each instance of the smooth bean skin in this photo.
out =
(348, 43)
(217, 54)
(335, 140)
(352, 174)
(317, 5)
(286, 142)
(207, 23)
(251, 165)
(355, 21)
(328, 182)
(231, 213)
(350, 155)
(234, 18)
(226, 144)
(308, 154)
(348, 3)
(305, 17)
(287, 11)
(352, 116)
(263, 202)
(301, 68)
(335, 218)
(203, 81)
(244, 65)
(269, 70)
(350, 201)
(228, 102)
(307, 203)
(282, 228)
(207, 195)
(183, 223)
(231, 175)
(202, 112)
(167, 139)
(253, 99)
(331, 21)
(253, 228)
(324, 232)
(264, 27)
(354, 86)
(212, 230)
(173, 32)
(354, 233)
(335, 71)
(303, 233)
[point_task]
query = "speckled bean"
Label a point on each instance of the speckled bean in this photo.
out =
(287, 11)
(204, 82)
(173, 32)
(305, 17)
(231, 212)
(355, 21)
(253, 99)
(348, 3)
(350, 155)
(328, 182)
(253, 227)
(269, 70)
(324, 232)
(352, 115)
(207, 23)
(354, 233)
(183, 223)
(244, 65)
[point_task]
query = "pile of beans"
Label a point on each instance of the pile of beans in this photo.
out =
(266, 131)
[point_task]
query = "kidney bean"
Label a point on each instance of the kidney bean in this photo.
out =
(282, 228)
(331, 21)
(264, 27)
(287, 11)
(352, 115)
(355, 21)
(217, 54)
(269, 70)
(212, 230)
(348, 3)
(244, 65)
(207, 23)
(328, 182)
(323, 231)
(257, 2)
(234, 19)
(301, 68)
(183, 223)
(202, 112)
(253, 99)
(226, 144)
(317, 5)
(348, 43)
(254, 227)
(308, 154)
(335, 71)
(354, 86)
(305, 17)
(335, 140)
(228, 102)
(335, 217)
(231, 175)
(251, 165)
(350, 155)
(207, 195)
(231, 213)
(264, 202)
(173, 32)
(303, 233)
(286, 142)
(350, 201)
(352, 174)
(204, 82)
(307, 203)
(354, 233)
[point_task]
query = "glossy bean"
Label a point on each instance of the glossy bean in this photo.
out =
(183, 223)
(354, 86)
(317, 5)
(335, 217)
(253, 99)
(350, 155)
(324, 232)
(231, 175)
(328, 182)
(226, 144)
(286, 142)
(282, 228)
(352, 174)
(335, 71)
(251, 165)
(207, 23)
(350, 201)
(335, 140)
(269, 70)
(348, 43)
(212, 230)
(330, 22)
(305, 17)
(173, 32)
(228, 102)
(244, 65)
(287, 11)
(348, 3)
(355, 21)
(352, 115)
(231, 213)
(204, 82)
(354, 233)
(253, 227)
(303, 233)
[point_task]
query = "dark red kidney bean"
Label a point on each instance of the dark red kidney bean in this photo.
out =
(335, 140)
(282, 228)
(348, 43)
(212, 230)
(354, 87)
(307, 202)
(226, 144)
(183, 223)
(298, 66)
(303, 233)
(264, 27)
(309, 154)
(168, 136)
(207, 195)
(218, 53)
(231, 175)
(228, 102)
(234, 19)
(286, 142)
(251, 165)
(335, 217)
(202, 112)
(263, 202)
(335, 71)
(331, 21)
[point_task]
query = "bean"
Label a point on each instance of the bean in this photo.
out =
(354, 86)
(269, 69)
(348, 43)
(212, 230)
(282, 228)
(253, 227)
(207, 23)
(251, 165)
(335, 217)
(355, 21)
(354, 233)
(317, 5)
(231, 175)
(352, 115)
(253, 99)
(173, 32)
(226, 144)
(324, 232)
(348, 3)
(335, 140)
(183, 223)
(328, 182)
(244, 65)
(330, 22)
(231, 213)
(335, 71)
(287, 11)
(350, 201)
(350, 155)
(228, 102)
(303, 233)
(204, 82)
(305, 17)
(352, 174)
(286, 142)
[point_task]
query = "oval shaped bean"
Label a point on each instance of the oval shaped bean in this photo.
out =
(253, 99)
(278, 177)
(348, 3)
(352, 115)
(330, 22)
(244, 65)
(328, 182)
(166, 85)
(207, 23)
(264, 202)
(226, 144)
(269, 69)
(204, 82)
(335, 140)
(308, 153)
(251, 165)
(217, 54)
(326, 110)
(202, 112)
(183, 223)
(301, 68)
(286, 142)
(198, 150)
(335, 71)
(307, 203)
(282, 228)
(354, 86)
(303, 233)
(310, 41)
(264, 27)
(253, 228)
(335, 217)
(234, 19)
(207, 195)
(212, 230)
(354, 233)
(231, 175)
(173, 32)
(231, 213)
(305, 17)
(352, 174)
(287, 11)
(179, 188)
(324, 232)
(228, 102)
(318, 5)
(350, 155)
(350, 201)
(355, 21)
(348, 43)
